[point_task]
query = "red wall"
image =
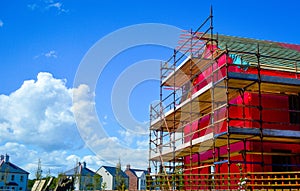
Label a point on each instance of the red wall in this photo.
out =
(275, 110)
(275, 115)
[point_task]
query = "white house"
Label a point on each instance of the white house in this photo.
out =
(141, 174)
(112, 176)
(12, 177)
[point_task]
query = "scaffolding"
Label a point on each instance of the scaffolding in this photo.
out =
(229, 115)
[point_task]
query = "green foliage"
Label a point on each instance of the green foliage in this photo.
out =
(179, 182)
(103, 186)
(87, 182)
(243, 180)
(121, 186)
(120, 181)
(30, 184)
(60, 175)
(96, 181)
(53, 184)
(162, 180)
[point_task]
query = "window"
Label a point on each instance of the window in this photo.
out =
(2, 177)
(21, 179)
(12, 177)
(294, 107)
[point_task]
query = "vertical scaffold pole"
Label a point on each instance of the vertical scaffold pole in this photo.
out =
(174, 123)
(160, 114)
(148, 180)
(212, 49)
(260, 108)
(190, 115)
(228, 119)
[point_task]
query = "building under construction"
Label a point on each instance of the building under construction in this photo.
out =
(229, 115)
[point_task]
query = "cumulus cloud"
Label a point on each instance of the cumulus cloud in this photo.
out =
(1, 23)
(132, 138)
(108, 148)
(39, 113)
(37, 121)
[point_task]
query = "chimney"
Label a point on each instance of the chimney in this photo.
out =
(84, 164)
(1, 157)
(128, 167)
(79, 168)
(6, 158)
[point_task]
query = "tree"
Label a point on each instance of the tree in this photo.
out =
(48, 174)
(103, 186)
(120, 181)
(38, 173)
(96, 181)
(30, 184)
(53, 184)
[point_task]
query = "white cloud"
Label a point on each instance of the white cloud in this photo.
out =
(143, 144)
(32, 6)
(1, 23)
(104, 121)
(37, 122)
(49, 54)
(127, 136)
(58, 6)
(46, 5)
(108, 148)
(39, 113)
(93, 162)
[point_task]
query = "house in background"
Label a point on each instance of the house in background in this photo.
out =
(12, 177)
(112, 177)
(84, 178)
(137, 178)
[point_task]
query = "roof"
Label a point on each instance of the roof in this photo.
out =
(83, 171)
(271, 52)
(138, 172)
(11, 168)
(113, 171)
(274, 54)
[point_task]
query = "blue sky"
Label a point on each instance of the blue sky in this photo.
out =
(43, 43)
